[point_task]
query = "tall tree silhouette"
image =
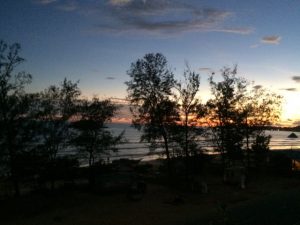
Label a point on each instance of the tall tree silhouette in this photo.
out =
(189, 105)
(14, 107)
(238, 115)
(262, 108)
(150, 95)
(93, 137)
(57, 105)
(224, 113)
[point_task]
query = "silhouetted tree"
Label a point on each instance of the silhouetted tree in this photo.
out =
(238, 116)
(263, 108)
(93, 138)
(150, 95)
(57, 105)
(189, 104)
(225, 116)
(14, 107)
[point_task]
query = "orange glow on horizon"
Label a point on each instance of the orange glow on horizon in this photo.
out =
(289, 116)
(121, 120)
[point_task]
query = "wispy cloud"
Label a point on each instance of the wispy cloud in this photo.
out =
(273, 40)
(205, 69)
(243, 31)
(296, 78)
(151, 16)
(44, 2)
(163, 16)
(289, 89)
(110, 78)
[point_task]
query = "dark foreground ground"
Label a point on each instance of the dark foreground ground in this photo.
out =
(266, 200)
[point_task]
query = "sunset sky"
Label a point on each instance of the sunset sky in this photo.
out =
(95, 41)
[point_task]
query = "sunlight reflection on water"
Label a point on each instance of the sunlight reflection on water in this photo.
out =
(135, 149)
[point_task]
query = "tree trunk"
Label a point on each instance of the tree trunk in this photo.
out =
(248, 149)
(13, 166)
(52, 174)
(167, 152)
(222, 147)
(14, 175)
(91, 170)
(186, 148)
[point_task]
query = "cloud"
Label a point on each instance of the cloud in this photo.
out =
(44, 2)
(296, 78)
(273, 40)
(151, 16)
(63, 5)
(110, 78)
(289, 89)
(256, 87)
(159, 16)
(205, 69)
(243, 31)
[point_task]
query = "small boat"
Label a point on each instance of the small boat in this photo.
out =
(292, 135)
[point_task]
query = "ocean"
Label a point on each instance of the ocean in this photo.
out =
(133, 149)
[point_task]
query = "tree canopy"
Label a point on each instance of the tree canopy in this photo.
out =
(236, 113)
(150, 95)
(15, 105)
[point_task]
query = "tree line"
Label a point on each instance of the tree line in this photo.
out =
(237, 113)
(37, 128)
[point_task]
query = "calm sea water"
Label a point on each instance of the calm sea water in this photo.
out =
(280, 140)
(134, 149)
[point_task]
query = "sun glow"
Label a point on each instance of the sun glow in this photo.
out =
(291, 108)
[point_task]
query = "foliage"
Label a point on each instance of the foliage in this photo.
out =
(57, 105)
(187, 131)
(93, 137)
(189, 105)
(14, 111)
(150, 93)
(237, 114)
(224, 112)
(261, 109)
(265, 108)
(261, 143)
(260, 148)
